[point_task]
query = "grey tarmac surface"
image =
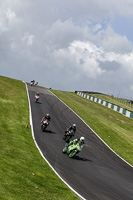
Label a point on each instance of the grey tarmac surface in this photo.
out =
(96, 173)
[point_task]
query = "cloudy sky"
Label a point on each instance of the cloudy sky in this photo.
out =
(69, 44)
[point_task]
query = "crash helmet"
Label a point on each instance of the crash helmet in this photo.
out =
(82, 139)
(47, 115)
(74, 126)
(37, 93)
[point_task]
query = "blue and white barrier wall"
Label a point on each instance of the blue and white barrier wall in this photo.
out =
(114, 107)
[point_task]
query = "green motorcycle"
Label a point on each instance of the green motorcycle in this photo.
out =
(73, 149)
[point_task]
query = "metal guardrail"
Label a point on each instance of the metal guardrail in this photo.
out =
(112, 106)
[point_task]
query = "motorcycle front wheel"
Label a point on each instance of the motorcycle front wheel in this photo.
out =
(43, 128)
(72, 153)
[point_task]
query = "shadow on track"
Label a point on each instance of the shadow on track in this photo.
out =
(38, 102)
(48, 131)
(80, 158)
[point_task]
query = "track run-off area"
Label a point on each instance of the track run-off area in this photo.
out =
(96, 173)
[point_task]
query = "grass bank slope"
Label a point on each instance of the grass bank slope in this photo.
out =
(24, 174)
(114, 128)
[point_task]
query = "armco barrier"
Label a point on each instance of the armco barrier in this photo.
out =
(112, 106)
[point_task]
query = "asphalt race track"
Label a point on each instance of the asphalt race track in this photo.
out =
(96, 173)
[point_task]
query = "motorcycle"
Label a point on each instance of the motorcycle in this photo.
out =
(44, 125)
(32, 82)
(73, 149)
(36, 83)
(68, 135)
(37, 97)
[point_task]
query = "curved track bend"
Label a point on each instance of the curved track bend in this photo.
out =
(96, 173)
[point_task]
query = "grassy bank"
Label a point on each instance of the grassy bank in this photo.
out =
(24, 174)
(114, 128)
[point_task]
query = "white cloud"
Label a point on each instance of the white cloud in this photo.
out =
(127, 61)
(28, 38)
(81, 57)
(131, 87)
(114, 42)
(76, 47)
(8, 20)
(10, 14)
(97, 27)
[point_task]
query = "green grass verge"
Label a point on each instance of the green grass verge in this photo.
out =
(24, 174)
(114, 128)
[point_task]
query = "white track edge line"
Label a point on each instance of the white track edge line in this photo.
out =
(31, 124)
(94, 132)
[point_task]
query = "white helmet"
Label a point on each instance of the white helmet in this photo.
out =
(82, 139)
(74, 126)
